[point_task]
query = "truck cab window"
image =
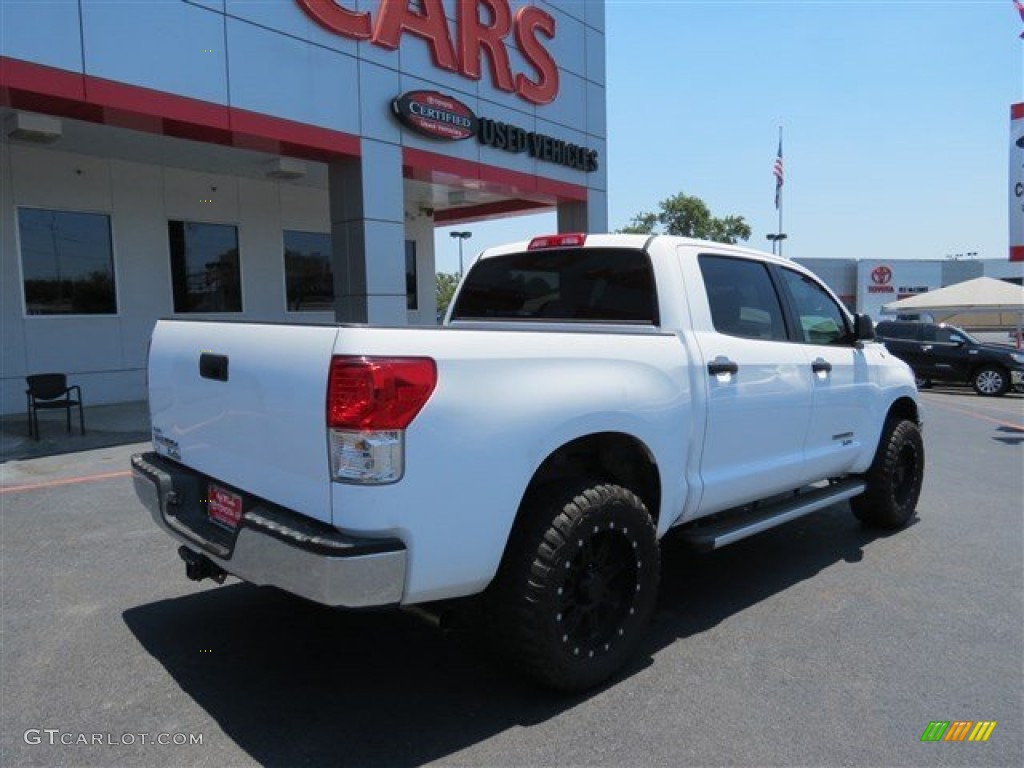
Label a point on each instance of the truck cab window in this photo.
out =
(741, 298)
(821, 319)
(574, 284)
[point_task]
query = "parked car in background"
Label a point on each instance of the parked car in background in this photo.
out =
(940, 352)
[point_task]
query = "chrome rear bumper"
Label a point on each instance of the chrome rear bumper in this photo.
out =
(272, 545)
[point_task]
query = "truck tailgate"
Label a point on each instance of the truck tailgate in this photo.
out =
(245, 404)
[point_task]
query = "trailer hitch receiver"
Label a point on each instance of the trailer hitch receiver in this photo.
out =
(199, 567)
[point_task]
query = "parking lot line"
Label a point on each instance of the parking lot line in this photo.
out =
(973, 414)
(65, 481)
(987, 405)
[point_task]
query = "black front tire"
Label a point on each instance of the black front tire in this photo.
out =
(578, 584)
(991, 381)
(894, 479)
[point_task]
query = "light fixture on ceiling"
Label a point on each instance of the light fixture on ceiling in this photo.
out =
(285, 168)
(27, 126)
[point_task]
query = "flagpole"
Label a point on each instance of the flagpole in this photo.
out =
(778, 171)
(781, 190)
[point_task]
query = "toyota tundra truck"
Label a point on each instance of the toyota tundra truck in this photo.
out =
(586, 395)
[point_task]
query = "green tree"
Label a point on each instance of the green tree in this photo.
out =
(641, 224)
(445, 285)
(689, 216)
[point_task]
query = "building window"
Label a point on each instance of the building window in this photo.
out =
(67, 262)
(204, 267)
(309, 280)
(411, 296)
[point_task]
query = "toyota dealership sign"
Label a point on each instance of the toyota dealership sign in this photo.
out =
(882, 282)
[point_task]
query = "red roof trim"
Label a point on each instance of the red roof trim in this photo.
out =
(133, 100)
(313, 142)
(428, 166)
(485, 211)
(24, 85)
(39, 88)
(19, 75)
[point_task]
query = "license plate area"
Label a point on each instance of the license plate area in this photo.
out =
(224, 506)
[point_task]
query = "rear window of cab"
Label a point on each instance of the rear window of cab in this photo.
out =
(604, 285)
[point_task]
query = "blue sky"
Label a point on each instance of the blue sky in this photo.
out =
(895, 116)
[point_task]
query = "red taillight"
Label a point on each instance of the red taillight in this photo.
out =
(574, 240)
(377, 393)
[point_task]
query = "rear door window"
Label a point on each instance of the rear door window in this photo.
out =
(573, 284)
(891, 330)
(949, 336)
(742, 298)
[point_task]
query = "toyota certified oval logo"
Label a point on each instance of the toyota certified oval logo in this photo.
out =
(434, 114)
(881, 275)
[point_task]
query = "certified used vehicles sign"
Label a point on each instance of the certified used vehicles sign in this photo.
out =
(435, 114)
(440, 116)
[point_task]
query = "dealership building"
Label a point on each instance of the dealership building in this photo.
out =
(866, 285)
(272, 161)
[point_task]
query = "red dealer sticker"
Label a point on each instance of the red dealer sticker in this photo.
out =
(434, 114)
(225, 507)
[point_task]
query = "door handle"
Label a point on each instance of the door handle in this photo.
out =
(722, 365)
(213, 367)
(821, 366)
(926, 348)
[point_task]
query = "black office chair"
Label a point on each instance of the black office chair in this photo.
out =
(47, 391)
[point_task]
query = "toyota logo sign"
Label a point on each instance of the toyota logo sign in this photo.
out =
(881, 275)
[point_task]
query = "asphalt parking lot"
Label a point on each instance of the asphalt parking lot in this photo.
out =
(818, 643)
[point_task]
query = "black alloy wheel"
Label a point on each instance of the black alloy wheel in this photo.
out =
(578, 583)
(599, 592)
(895, 478)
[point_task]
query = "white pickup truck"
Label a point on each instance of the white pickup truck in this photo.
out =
(588, 394)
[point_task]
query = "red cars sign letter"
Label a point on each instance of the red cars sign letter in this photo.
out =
(474, 37)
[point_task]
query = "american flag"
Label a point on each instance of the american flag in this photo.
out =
(777, 171)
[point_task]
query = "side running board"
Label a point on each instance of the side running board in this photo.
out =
(716, 535)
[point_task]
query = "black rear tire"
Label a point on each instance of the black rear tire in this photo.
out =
(578, 584)
(894, 478)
